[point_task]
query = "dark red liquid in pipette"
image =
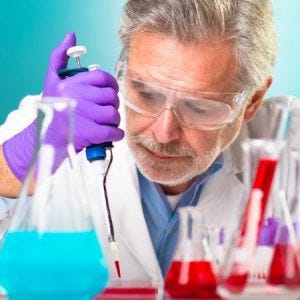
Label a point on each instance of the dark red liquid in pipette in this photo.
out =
(236, 281)
(117, 265)
(284, 268)
(193, 279)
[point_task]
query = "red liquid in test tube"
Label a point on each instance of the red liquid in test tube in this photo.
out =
(192, 280)
(263, 181)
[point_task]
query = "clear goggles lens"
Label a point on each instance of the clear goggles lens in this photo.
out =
(199, 110)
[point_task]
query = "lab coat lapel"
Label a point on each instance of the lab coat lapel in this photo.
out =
(221, 199)
(225, 186)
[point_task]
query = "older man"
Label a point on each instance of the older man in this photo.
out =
(192, 74)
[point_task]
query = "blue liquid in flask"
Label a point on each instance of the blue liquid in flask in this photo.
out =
(52, 265)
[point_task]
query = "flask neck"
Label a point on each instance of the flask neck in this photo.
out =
(192, 240)
(54, 132)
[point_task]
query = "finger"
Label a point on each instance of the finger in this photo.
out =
(98, 78)
(100, 96)
(106, 134)
(59, 57)
(103, 115)
(93, 133)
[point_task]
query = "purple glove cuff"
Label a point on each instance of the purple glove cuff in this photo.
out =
(17, 155)
(268, 232)
(18, 151)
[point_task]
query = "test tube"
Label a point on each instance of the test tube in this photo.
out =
(237, 266)
(285, 266)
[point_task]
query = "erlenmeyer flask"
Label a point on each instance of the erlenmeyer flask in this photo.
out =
(191, 273)
(51, 250)
(285, 266)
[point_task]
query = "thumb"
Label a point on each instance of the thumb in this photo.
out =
(59, 58)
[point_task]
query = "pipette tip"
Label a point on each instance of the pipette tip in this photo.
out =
(115, 255)
(117, 265)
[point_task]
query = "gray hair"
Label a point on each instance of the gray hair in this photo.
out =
(246, 24)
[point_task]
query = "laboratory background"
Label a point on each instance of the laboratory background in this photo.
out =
(30, 29)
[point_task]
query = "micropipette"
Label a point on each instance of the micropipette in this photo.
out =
(96, 154)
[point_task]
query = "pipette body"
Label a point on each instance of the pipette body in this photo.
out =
(96, 154)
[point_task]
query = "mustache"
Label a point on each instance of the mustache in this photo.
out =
(170, 148)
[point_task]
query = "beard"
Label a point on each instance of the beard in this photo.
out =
(181, 166)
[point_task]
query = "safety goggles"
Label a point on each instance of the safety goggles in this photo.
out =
(193, 109)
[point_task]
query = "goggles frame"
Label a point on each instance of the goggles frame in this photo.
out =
(237, 100)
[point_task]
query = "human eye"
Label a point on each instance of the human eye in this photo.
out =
(146, 93)
(197, 107)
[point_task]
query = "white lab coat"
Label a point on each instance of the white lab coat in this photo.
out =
(220, 197)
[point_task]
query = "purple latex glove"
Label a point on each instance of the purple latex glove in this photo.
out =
(96, 116)
(268, 232)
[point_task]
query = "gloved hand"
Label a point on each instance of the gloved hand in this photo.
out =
(96, 118)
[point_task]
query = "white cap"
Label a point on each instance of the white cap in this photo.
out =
(93, 67)
(76, 51)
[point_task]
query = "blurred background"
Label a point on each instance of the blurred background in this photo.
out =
(30, 29)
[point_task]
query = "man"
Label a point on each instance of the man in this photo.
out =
(193, 73)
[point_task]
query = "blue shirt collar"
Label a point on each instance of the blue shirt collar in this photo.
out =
(162, 222)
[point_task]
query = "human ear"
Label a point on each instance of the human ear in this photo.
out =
(256, 100)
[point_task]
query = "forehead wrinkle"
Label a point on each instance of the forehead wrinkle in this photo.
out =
(172, 63)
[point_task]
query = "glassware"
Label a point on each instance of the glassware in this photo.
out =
(285, 266)
(261, 156)
(124, 289)
(218, 239)
(258, 269)
(191, 273)
(51, 249)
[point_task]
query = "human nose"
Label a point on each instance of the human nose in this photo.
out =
(166, 127)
